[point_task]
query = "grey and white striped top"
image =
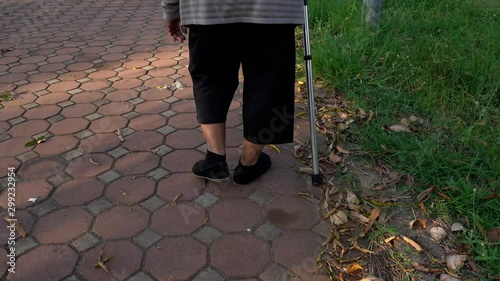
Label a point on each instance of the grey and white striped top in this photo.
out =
(206, 12)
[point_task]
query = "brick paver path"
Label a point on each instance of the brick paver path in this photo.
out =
(82, 70)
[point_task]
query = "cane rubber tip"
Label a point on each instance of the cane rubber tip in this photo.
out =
(316, 179)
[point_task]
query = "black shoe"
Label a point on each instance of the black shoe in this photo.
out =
(217, 172)
(246, 174)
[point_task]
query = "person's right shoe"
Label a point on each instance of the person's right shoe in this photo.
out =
(246, 174)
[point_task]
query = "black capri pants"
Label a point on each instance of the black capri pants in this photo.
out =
(266, 53)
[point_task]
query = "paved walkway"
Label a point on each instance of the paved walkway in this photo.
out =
(79, 72)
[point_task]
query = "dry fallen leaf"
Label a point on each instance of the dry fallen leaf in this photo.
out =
(174, 202)
(457, 227)
(306, 170)
(418, 224)
(412, 243)
(372, 278)
(119, 133)
(93, 162)
(275, 148)
(123, 192)
(351, 198)
(339, 218)
(424, 195)
(405, 122)
(437, 233)
(334, 157)
(455, 262)
(33, 200)
(341, 149)
(17, 224)
(354, 269)
(399, 128)
(413, 118)
(446, 277)
(101, 263)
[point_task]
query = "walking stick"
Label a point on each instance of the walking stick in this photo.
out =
(315, 176)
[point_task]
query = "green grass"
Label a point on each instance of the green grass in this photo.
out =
(438, 60)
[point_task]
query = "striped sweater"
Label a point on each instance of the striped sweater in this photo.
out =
(206, 12)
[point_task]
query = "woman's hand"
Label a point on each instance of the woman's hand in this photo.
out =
(175, 30)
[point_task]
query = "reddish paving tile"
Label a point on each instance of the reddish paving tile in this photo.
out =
(87, 97)
(184, 106)
(24, 218)
(79, 66)
(42, 77)
(183, 183)
(126, 260)
(102, 74)
(148, 122)
(42, 167)
(181, 267)
(42, 112)
(78, 192)
(10, 112)
(78, 110)
(183, 121)
(181, 219)
(152, 107)
(63, 86)
(14, 147)
(32, 87)
(72, 76)
(184, 139)
(83, 166)
(236, 215)
(9, 162)
(237, 255)
(121, 222)
(45, 263)
(20, 100)
(25, 190)
(69, 126)
(292, 213)
(125, 84)
(137, 163)
(298, 250)
(181, 160)
(100, 143)
(143, 141)
(4, 126)
(159, 82)
(62, 225)
(130, 190)
(95, 85)
(234, 119)
(115, 108)
(53, 98)
(155, 94)
(56, 145)
(290, 182)
(132, 73)
(28, 129)
(122, 95)
(12, 77)
(108, 124)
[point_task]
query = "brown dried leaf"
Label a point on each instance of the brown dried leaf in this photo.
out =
(418, 224)
(372, 278)
(424, 195)
(494, 234)
(94, 162)
(123, 192)
(306, 170)
(419, 267)
(334, 157)
(360, 217)
(412, 243)
(101, 263)
(423, 208)
(20, 229)
(362, 113)
(339, 218)
(455, 262)
(341, 149)
(437, 233)
(399, 128)
(405, 122)
(354, 269)
(413, 118)
(351, 198)
(174, 202)
(457, 227)
(389, 240)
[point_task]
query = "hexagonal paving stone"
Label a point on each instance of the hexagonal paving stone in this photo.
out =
(100, 143)
(152, 107)
(56, 145)
(298, 250)
(78, 192)
(45, 263)
(183, 139)
(182, 219)
(9, 162)
(115, 108)
(180, 266)
(62, 225)
(69, 126)
(87, 97)
(63, 86)
(53, 98)
(130, 190)
(183, 121)
(28, 129)
(83, 166)
(181, 160)
(143, 141)
(236, 215)
(230, 190)
(155, 94)
(291, 182)
(122, 95)
(236, 255)
(148, 122)
(137, 163)
(24, 218)
(95, 85)
(42, 168)
(78, 110)
(132, 73)
(184, 106)
(10, 112)
(42, 112)
(126, 260)
(102, 74)
(121, 222)
(183, 183)
(14, 146)
(108, 124)
(292, 213)
(127, 84)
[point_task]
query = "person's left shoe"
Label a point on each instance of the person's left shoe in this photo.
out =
(213, 168)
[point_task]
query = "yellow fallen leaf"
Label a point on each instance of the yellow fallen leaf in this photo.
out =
(275, 148)
(353, 269)
(418, 224)
(412, 243)
(339, 218)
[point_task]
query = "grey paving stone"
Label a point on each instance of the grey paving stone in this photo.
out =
(84, 134)
(65, 103)
(153, 203)
(118, 152)
(127, 131)
(275, 272)
(30, 105)
(172, 99)
(206, 200)
(4, 137)
(147, 238)
(202, 148)
(109, 176)
(44, 208)
(72, 154)
(76, 91)
(162, 150)
(137, 101)
(207, 235)
(59, 179)
(27, 156)
(166, 130)
(93, 116)
(176, 76)
(108, 90)
(145, 77)
(55, 118)
(268, 231)
(17, 120)
(131, 115)
(98, 206)
(25, 244)
(169, 113)
(85, 242)
(261, 197)
(209, 275)
(101, 102)
(72, 278)
(114, 79)
(42, 93)
(53, 81)
(141, 276)
(158, 174)
(141, 88)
